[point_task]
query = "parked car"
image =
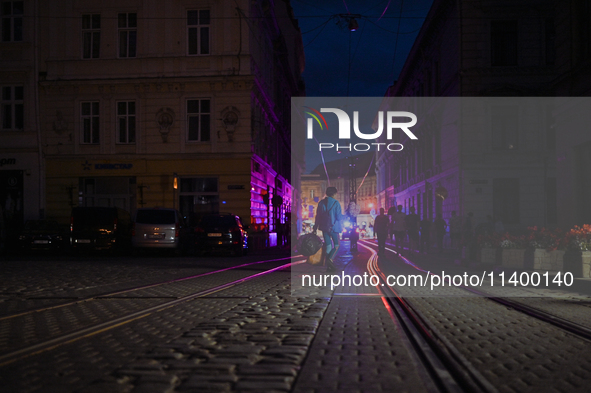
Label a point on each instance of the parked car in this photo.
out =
(221, 232)
(157, 228)
(100, 228)
(43, 235)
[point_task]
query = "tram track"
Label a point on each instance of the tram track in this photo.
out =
(90, 330)
(113, 294)
(557, 321)
(448, 369)
(462, 332)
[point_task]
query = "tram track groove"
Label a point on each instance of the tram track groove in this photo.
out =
(448, 369)
(554, 320)
(97, 328)
(107, 295)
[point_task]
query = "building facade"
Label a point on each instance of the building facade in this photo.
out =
(177, 104)
(21, 163)
(471, 48)
(573, 148)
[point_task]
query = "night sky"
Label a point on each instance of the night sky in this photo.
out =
(373, 53)
(362, 63)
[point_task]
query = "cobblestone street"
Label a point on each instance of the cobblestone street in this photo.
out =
(185, 324)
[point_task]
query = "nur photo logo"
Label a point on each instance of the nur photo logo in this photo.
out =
(393, 120)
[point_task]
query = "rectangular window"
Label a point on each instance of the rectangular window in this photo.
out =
(198, 32)
(582, 29)
(198, 196)
(504, 124)
(126, 122)
(127, 24)
(503, 40)
(198, 120)
(506, 200)
(12, 108)
(12, 21)
(89, 119)
(91, 36)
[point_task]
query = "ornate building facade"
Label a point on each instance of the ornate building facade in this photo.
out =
(180, 104)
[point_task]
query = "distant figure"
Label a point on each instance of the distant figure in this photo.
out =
(412, 228)
(425, 225)
(439, 225)
(328, 220)
(399, 227)
(455, 230)
(382, 222)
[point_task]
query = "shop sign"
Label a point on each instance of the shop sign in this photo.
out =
(7, 161)
(88, 166)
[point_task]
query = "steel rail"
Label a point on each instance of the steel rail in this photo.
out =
(90, 331)
(132, 289)
(448, 368)
(559, 322)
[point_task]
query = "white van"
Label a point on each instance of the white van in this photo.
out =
(157, 228)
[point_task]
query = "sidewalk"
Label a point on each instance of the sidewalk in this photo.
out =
(452, 260)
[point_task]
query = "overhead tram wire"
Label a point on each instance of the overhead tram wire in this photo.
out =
(366, 173)
(316, 36)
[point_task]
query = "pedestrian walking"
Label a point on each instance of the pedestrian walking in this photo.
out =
(399, 227)
(328, 219)
(439, 225)
(412, 229)
(382, 222)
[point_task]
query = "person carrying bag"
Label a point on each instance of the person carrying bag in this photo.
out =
(328, 220)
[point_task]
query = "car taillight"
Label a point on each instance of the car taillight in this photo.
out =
(71, 224)
(133, 229)
(115, 224)
(176, 230)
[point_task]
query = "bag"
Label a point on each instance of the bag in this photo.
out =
(316, 259)
(309, 244)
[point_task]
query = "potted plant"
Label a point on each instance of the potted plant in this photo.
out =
(577, 258)
(490, 252)
(513, 251)
(546, 251)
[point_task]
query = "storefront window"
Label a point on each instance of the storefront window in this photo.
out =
(198, 196)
